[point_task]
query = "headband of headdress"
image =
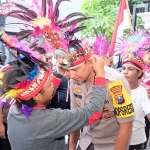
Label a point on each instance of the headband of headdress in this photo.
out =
(101, 45)
(135, 47)
(34, 80)
(44, 23)
(77, 54)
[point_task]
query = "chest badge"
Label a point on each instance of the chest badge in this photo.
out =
(78, 90)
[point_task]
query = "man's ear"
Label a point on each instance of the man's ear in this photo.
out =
(36, 97)
(89, 62)
(140, 74)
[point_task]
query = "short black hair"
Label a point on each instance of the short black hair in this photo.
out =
(10, 79)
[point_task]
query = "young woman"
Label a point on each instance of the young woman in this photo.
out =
(30, 124)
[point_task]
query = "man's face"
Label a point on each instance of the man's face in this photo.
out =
(60, 59)
(131, 73)
(80, 73)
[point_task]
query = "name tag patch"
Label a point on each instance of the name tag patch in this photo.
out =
(125, 110)
(77, 96)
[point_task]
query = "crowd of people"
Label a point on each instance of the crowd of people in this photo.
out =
(98, 107)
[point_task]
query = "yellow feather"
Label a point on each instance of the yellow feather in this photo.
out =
(11, 94)
(41, 22)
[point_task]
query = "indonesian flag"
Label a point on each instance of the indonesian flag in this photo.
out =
(123, 22)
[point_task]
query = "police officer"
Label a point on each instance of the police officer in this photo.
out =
(113, 130)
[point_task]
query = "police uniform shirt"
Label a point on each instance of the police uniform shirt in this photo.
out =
(103, 132)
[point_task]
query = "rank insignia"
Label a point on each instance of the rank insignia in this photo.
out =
(78, 103)
(117, 92)
(78, 90)
(107, 116)
(105, 109)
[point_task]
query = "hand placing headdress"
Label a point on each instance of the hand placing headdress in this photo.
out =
(25, 79)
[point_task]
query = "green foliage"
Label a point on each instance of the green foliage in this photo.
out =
(104, 13)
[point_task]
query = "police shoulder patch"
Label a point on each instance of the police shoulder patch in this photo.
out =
(122, 101)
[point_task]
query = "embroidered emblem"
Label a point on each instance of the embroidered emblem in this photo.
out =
(117, 92)
(78, 103)
(78, 90)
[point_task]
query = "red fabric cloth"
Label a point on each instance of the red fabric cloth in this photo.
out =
(96, 116)
(56, 81)
(100, 81)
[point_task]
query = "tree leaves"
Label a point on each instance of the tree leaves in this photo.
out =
(104, 13)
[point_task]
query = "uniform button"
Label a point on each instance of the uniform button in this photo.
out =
(78, 103)
(107, 116)
(105, 109)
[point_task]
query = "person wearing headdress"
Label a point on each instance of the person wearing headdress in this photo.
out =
(113, 129)
(133, 50)
(28, 86)
(45, 30)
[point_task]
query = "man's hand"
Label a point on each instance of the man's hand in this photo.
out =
(98, 65)
(2, 131)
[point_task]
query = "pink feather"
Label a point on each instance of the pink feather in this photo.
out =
(101, 46)
(73, 27)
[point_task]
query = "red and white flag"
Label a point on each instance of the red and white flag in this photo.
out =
(123, 21)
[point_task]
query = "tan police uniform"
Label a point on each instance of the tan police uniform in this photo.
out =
(103, 132)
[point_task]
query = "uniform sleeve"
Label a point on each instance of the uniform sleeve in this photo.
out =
(123, 107)
(68, 121)
(72, 97)
(145, 103)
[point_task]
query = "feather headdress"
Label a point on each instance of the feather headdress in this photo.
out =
(135, 47)
(47, 34)
(44, 21)
(101, 46)
(78, 52)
